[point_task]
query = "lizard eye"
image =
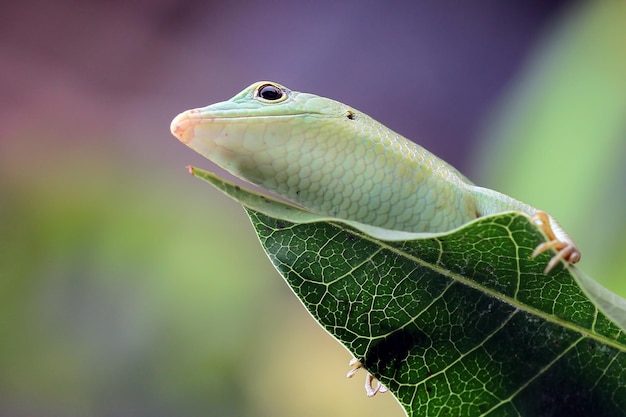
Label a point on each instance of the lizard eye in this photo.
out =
(270, 93)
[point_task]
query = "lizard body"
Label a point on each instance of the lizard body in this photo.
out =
(337, 161)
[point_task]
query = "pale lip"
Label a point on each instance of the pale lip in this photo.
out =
(182, 125)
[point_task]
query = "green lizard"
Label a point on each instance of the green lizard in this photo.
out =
(336, 161)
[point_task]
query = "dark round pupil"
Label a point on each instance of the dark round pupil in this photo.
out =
(270, 92)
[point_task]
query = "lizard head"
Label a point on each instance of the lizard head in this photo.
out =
(268, 131)
(317, 152)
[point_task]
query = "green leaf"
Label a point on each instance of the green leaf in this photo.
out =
(457, 324)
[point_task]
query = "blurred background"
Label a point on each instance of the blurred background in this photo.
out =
(129, 288)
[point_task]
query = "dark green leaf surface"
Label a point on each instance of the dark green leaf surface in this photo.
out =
(460, 324)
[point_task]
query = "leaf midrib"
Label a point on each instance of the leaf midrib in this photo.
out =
(511, 301)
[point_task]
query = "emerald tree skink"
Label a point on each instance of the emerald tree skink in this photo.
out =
(337, 161)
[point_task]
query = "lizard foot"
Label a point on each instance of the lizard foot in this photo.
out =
(370, 391)
(565, 247)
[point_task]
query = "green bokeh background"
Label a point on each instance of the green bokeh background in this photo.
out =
(129, 288)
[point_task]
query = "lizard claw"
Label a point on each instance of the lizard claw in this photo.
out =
(370, 390)
(563, 244)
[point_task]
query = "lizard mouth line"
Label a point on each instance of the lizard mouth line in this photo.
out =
(180, 126)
